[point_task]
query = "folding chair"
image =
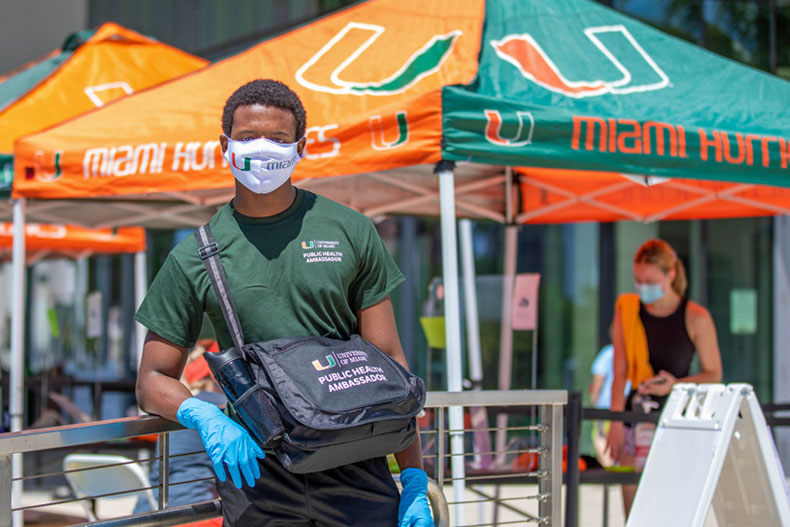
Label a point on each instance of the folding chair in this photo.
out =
(102, 479)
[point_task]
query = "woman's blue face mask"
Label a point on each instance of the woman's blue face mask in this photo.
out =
(649, 293)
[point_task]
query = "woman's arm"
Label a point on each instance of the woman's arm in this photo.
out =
(703, 334)
(616, 437)
(620, 365)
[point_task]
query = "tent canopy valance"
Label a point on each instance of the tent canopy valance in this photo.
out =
(47, 240)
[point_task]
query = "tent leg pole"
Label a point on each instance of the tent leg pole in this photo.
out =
(453, 331)
(482, 441)
(506, 332)
(17, 382)
(140, 287)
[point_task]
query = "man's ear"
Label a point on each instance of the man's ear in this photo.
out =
(223, 142)
(300, 146)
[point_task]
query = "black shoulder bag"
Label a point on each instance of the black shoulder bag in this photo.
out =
(317, 402)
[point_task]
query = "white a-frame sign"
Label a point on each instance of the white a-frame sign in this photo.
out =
(712, 463)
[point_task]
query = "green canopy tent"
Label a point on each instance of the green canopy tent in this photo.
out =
(572, 84)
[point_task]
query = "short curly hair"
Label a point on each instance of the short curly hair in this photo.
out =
(266, 92)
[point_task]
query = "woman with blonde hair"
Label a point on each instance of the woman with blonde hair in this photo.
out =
(656, 334)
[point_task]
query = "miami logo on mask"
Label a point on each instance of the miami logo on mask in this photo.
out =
(246, 162)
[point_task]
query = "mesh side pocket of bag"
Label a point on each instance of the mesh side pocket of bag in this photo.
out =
(259, 415)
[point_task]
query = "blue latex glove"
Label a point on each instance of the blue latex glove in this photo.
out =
(226, 441)
(414, 510)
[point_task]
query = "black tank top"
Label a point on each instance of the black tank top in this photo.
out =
(669, 346)
(668, 343)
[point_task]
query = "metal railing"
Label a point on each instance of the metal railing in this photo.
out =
(494, 483)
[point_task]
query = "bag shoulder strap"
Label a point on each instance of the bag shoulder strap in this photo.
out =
(208, 250)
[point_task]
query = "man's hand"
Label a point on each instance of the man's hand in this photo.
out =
(226, 442)
(414, 510)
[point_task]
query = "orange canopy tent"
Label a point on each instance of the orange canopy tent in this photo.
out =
(53, 240)
(113, 62)
(562, 196)
(110, 63)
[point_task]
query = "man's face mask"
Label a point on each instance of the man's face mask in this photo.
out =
(262, 165)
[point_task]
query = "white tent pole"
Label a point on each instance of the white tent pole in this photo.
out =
(452, 320)
(506, 331)
(482, 440)
(140, 287)
(17, 382)
(470, 302)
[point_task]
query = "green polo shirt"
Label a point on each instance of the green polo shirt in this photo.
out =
(305, 271)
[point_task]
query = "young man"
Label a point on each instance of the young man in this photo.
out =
(297, 264)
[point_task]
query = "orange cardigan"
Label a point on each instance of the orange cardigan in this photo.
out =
(636, 353)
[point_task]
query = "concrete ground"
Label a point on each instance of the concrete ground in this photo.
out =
(590, 503)
(479, 510)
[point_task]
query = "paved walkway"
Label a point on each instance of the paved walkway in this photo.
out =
(590, 503)
(518, 499)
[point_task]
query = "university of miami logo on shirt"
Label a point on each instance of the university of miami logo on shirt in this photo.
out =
(331, 363)
(315, 251)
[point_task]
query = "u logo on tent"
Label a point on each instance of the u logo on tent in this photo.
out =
(639, 71)
(523, 135)
(42, 171)
(426, 60)
(378, 141)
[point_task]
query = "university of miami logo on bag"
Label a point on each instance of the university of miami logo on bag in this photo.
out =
(331, 363)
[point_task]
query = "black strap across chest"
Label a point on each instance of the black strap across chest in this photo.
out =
(208, 250)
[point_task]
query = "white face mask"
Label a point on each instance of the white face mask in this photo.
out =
(262, 165)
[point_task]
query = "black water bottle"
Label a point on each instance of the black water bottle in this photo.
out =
(255, 410)
(232, 372)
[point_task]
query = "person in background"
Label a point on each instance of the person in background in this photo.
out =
(189, 461)
(600, 392)
(656, 334)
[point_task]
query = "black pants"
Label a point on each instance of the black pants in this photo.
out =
(359, 495)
